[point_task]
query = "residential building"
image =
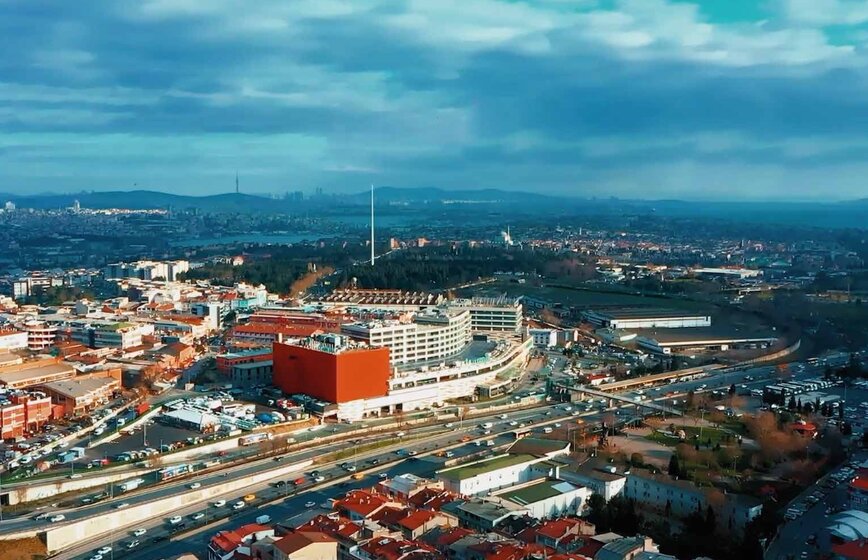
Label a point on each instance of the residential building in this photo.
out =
(626, 548)
(306, 545)
(226, 544)
(484, 514)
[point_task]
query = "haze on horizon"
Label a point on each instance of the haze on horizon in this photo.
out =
(702, 99)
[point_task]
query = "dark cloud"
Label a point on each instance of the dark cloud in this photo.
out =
(413, 94)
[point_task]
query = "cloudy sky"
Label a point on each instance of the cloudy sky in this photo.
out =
(709, 99)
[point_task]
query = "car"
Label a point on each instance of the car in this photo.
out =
(310, 504)
(75, 475)
(350, 468)
(104, 550)
(219, 503)
(197, 516)
(513, 423)
(174, 520)
(96, 557)
(194, 486)
(249, 497)
(133, 544)
(375, 461)
(57, 518)
(122, 505)
(238, 505)
(318, 478)
(279, 484)
(42, 516)
(384, 475)
(139, 532)
(411, 453)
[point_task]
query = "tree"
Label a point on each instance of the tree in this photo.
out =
(674, 467)
(637, 460)
(732, 389)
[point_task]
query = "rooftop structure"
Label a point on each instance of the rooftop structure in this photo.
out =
(645, 318)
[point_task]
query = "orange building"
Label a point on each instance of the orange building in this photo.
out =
(337, 376)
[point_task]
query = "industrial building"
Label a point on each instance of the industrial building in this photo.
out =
(666, 341)
(24, 376)
(645, 318)
(79, 396)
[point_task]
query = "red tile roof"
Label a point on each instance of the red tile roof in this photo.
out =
(417, 519)
(298, 540)
(361, 502)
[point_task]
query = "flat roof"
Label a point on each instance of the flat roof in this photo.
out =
(252, 365)
(77, 388)
(537, 492)
(463, 472)
(706, 335)
(646, 313)
(14, 377)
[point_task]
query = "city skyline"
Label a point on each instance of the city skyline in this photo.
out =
(633, 99)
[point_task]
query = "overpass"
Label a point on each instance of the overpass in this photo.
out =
(613, 399)
(646, 380)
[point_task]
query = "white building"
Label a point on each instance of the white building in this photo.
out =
(433, 335)
(548, 499)
(628, 318)
(544, 338)
(97, 333)
(424, 387)
(40, 335)
(481, 477)
(500, 314)
(147, 270)
(13, 340)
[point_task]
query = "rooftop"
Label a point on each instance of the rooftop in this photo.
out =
(78, 388)
(477, 468)
(537, 492)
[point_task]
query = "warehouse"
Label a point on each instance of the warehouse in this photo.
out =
(667, 341)
(646, 318)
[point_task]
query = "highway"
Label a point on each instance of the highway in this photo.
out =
(424, 440)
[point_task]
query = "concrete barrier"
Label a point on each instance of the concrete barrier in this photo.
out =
(29, 492)
(65, 535)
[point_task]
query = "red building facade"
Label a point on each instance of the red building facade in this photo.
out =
(339, 377)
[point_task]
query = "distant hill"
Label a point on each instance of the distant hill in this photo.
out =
(146, 200)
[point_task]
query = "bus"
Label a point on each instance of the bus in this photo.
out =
(172, 472)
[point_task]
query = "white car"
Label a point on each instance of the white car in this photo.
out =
(175, 520)
(139, 532)
(57, 518)
(384, 475)
(122, 505)
(310, 504)
(104, 550)
(195, 485)
(238, 505)
(197, 516)
(219, 503)
(319, 478)
(96, 557)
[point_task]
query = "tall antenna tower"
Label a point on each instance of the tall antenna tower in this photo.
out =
(236, 183)
(372, 224)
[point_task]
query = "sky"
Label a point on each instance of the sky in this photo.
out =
(702, 100)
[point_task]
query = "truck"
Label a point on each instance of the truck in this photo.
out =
(263, 519)
(131, 484)
(142, 408)
(251, 439)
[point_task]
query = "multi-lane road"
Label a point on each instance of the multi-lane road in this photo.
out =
(287, 501)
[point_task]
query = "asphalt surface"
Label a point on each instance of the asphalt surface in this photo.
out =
(290, 506)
